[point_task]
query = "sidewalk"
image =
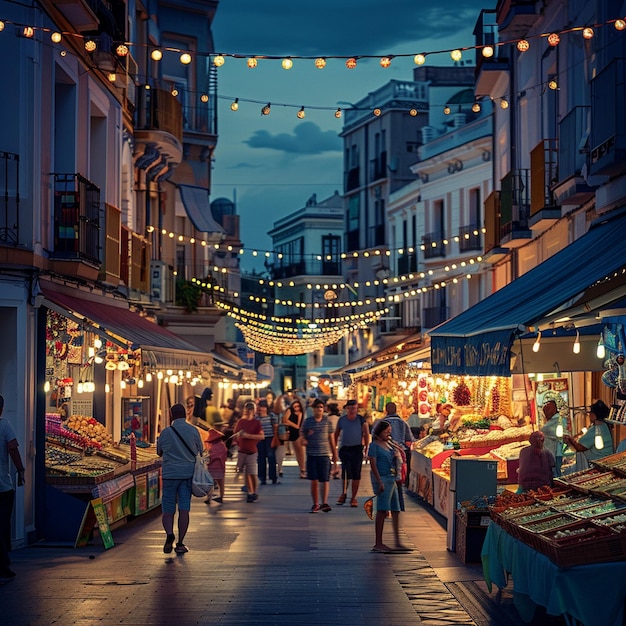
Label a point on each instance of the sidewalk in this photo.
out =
(268, 562)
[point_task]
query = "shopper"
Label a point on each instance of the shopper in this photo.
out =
(317, 437)
(536, 464)
(293, 417)
(216, 449)
(385, 462)
(266, 454)
(551, 441)
(178, 444)
(351, 437)
(8, 450)
(248, 432)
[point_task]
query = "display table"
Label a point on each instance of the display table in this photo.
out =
(592, 594)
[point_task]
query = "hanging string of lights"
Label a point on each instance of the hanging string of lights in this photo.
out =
(277, 255)
(122, 49)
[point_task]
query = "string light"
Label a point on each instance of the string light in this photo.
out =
(320, 63)
(456, 55)
(122, 50)
(385, 62)
(235, 105)
(553, 85)
(338, 113)
(588, 33)
(90, 45)
(218, 61)
(56, 37)
(156, 55)
(523, 45)
(554, 39)
(351, 63)
(419, 59)
(287, 63)
(252, 62)
(301, 114)
(266, 110)
(487, 52)
(185, 58)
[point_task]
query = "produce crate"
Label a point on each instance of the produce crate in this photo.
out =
(600, 547)
(599, 508)
(550, 522)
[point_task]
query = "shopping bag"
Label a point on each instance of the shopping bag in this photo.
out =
(202, 481)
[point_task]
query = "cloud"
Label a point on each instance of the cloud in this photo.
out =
(307, 138)
(335, 28)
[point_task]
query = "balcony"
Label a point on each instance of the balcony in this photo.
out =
(488, 70)
(515, 209)
(81, 14)
(433, 316)
(516, 17)
(378, 167)
(9, 199)
(76, 226)
(304, 267)
(544, 174)
(469, 238)
(407, 263)
(352, 179)
(571, 188)
(433, 246)
(608, 109)
(158, 132)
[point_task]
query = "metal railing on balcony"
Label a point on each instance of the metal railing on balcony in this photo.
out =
(514, 202)
(304, 267)
(433, 247)
(469, 238)
(433, 316)
(10, 198)
(76, 218)
(573, 139)
(543, 168)
(352, 179)
(407, 263)
(378, 167)
(158, 109)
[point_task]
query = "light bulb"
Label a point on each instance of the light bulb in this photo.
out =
(149, 377)
(234, 105)
(156, 55)
(537, 343)
(97, 343)
(185, 58)
(140, 383)
(122, 384)
(301, 114)
(576, 348)
(46, 386)
(598, 441)
(79, 387)
(107, 388)
(583, 430)
(160, 375)
(600, 351)
(559, 431)
(419, 59)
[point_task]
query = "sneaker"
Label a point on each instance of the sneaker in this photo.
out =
(325, 507)
(315, 508)
(250, 498)
(255, 497)
(181, 548)
(169, 543)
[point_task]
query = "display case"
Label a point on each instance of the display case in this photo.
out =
(136, 420)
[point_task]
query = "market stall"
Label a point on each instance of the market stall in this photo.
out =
(553, 543)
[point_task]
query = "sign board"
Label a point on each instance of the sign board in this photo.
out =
(95, 514)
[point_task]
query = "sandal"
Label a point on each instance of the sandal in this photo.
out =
(169, 543)
(354, 503)
(302, 474)
(341, 499)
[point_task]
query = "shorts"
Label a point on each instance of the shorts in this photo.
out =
(318, 468)
(388, 500)
(249, 462)
(176, 490)
(351, 461)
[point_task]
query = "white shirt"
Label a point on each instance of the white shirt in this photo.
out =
(6, 434)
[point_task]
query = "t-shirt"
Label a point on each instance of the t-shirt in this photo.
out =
(267, 424)
(384, 459)
(178, 461)
(6, 434)
(317, 441)
(351, 431)
(535, 467)
(252, 427)
(588, 440)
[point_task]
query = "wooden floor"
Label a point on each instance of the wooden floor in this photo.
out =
(268, 562)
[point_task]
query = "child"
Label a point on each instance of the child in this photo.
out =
(214, 443)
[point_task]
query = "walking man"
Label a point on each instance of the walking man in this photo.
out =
(178, 445)
(248, 433)
(317, 436)
(8, 449)
(266, 454)
(352, 438)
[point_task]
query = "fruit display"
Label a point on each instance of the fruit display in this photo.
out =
(89, 428)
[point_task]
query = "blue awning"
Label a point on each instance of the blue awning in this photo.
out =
(198, 208)
(478, 341)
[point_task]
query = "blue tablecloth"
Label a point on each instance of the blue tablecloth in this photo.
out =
(592, 594)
